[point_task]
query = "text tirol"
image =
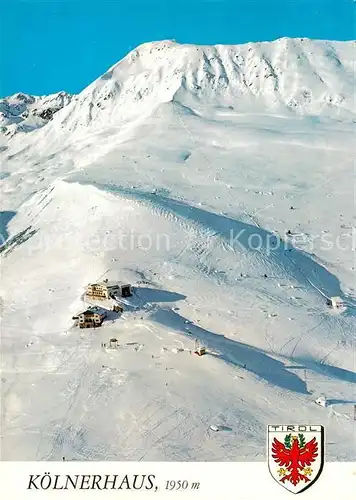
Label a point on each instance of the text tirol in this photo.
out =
(296, 428)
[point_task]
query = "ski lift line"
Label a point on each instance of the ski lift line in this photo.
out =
(300, 270)
(252, 218)
(305, 277)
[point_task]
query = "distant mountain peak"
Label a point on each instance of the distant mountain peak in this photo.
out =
(22, 112)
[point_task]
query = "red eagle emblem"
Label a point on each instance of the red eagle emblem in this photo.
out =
(295, 457)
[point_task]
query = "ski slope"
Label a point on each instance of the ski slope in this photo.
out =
(173, 173)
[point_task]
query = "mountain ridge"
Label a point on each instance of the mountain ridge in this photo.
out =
(289, 75)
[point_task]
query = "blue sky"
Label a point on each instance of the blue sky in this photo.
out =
(53, 45)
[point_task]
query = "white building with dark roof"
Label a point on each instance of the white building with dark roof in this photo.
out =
(91, 317)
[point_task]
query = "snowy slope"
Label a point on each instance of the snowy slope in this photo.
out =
(166, 172)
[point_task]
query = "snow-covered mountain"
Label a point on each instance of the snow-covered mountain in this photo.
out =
(25, 113)
(181, 170)
(303, 76)
(308, 77)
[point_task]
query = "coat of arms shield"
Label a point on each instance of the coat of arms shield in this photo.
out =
(295, 455)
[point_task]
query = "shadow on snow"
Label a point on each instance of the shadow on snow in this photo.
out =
(266, 246)
(236, 353)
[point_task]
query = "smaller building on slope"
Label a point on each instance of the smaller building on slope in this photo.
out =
(91, 317)
(335, 302)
